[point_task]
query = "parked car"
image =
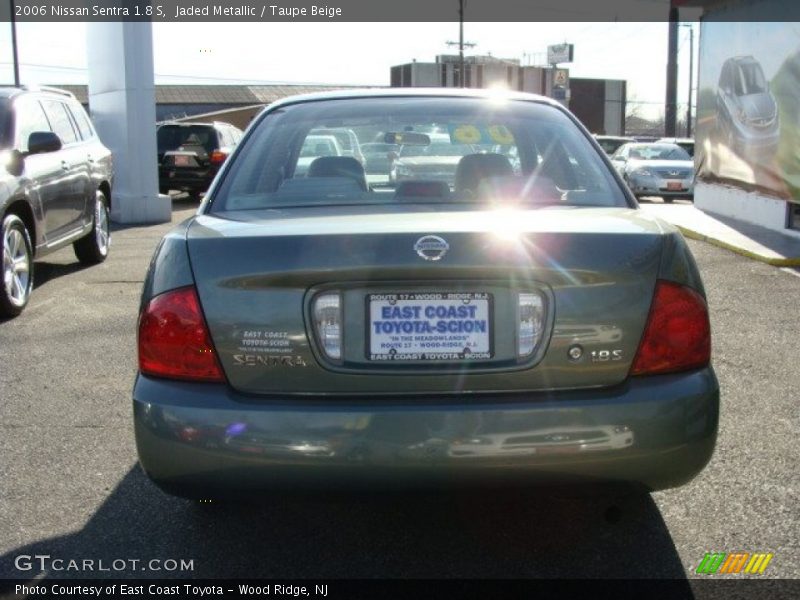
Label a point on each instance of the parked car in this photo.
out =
(378, 157)
(347, 138)
(610, 143)
(313, 147)
(664, 170)
(747, 113)
(685, 143)
(190, 154)
(57, 180)
(435, 160)
(354, 336)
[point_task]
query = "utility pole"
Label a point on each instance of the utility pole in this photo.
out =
(14, 44)
(671, 102)
(691, 79)
(461, 42)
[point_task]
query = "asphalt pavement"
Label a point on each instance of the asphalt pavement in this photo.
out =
(71, 487)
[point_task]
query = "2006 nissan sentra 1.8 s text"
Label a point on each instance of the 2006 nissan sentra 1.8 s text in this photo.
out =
(522, 323)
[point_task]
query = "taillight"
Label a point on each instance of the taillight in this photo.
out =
(174, 340)
(530, 319)
(677, 336)
(327, 313)
(218, 157)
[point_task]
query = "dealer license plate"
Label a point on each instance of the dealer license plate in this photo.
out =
(674, 185)
(430, 327)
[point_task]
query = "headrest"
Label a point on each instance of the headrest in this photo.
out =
(338, 166)
(472, 168)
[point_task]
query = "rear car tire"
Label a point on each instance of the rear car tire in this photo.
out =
(93, 248)
(17, 267)
(668, 200)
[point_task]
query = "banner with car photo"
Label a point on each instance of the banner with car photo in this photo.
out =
(748, 104)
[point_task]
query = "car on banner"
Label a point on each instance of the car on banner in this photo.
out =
(747, 113)
(492, 326)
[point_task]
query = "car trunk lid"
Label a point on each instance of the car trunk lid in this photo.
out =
(258, 273)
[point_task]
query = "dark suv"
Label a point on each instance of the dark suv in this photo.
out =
(55, 186)
(190, 154)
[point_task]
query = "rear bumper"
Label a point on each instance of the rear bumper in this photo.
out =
(185, 179)
(201, 440)
(656, 186)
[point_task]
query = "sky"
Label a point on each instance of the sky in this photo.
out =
(357, 53)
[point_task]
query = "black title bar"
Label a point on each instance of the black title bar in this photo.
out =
(370, 10)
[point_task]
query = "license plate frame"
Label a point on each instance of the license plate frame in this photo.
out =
(473, 327)
(674, 186)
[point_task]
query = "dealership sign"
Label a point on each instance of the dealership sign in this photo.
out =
(560, 53)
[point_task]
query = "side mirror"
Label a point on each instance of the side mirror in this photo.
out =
(40, 142)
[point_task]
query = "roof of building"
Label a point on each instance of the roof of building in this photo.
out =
(222, 94)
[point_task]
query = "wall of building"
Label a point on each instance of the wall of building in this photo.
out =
(598, 103)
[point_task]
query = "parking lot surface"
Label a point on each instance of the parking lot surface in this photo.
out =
(71, 487)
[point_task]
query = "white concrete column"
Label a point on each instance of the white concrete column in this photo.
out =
(123, 109)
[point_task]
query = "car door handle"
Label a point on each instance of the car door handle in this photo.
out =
(64, 165)
(89, 159)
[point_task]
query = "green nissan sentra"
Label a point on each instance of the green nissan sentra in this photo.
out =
(496, 311)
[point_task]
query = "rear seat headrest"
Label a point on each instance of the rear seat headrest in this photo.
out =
(338, 166)
(472, 168)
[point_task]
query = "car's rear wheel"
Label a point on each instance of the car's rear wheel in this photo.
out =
(93, 248)
(668, 200)
(17, 267)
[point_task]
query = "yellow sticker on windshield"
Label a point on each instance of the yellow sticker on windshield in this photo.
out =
(500, 134)
(467, 134)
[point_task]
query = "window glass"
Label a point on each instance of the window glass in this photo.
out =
(29, 117)
(467, 150)
(227, 136)
(751, 80)
(659, 152)
(82, 121)
(172, 137)
(450, 149)
(59, 120)
(6, 127)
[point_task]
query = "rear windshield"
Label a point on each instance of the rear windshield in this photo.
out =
(609, 145)
(659, 152)
(476, 150)
(172, 137)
